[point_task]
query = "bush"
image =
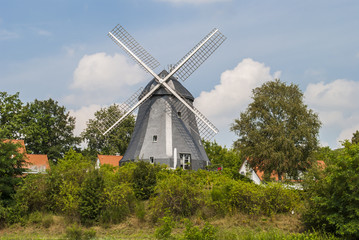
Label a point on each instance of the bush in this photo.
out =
(180, 195)
(33, 193)
(144, 179)
(228, 195)
(75, 232)
(165, 230)
(208, 232)
(333, 194)
(118, 203)
(90, 197)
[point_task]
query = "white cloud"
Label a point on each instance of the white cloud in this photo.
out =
(100, 78)
(82, 116)
(100, 71)
(339, 94)
(234, 92)
(337, 105)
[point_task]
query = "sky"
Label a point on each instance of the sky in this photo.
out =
(59, 49)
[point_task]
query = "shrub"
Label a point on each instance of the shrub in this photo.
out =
(117, 203)
(278, 199)
(144, 179)
(178, 194)
(208, 232)
(90, 197)
(333, 194)
(75, 232)
(33, 193)
(165, 230)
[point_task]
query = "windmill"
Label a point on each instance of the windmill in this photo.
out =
(168, 128)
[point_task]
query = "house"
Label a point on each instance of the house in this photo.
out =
(257, 176)
(113, 160)
(35, 163)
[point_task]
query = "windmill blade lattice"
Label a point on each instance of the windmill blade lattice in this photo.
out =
(201, 55)
(119, 34)
(124, 108)
(206, 129)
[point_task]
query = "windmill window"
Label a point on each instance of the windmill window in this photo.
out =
(179, 114)
(185, 159)
(152, 160)
(154, 138)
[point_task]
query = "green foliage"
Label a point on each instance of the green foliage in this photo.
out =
(10, 111)
(277, 132)
(333, 193)
(65, 180)
(144, 179)
(75, 232)
(180, 195)
(229, 195)
(48, 128)
(33, 193)
(115, 141)
(91, 197)
(11, 167)
(355, 138)
(221, 156)
(118, 203)
(208, 232)
(165, 229)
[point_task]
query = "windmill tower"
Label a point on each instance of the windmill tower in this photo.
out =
(168, 127)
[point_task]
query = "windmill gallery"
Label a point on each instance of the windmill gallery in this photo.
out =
(169, 129)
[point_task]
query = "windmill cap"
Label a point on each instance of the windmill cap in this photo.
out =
(172, 82)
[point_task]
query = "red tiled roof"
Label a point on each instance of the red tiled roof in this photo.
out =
(34, 162)
(109, 159)
(21, 149)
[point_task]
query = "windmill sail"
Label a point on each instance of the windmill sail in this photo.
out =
(211, 42)
(111, 119)
(123, 39)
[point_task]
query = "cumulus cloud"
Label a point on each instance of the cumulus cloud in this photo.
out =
(100, 71)
(100, 78)
(82, 116)
(336, 104)
(233, 94)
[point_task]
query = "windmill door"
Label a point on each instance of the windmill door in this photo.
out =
(185, 160)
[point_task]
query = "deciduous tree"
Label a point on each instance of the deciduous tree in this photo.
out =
(10, 109)
(277, 132)
(48, 128)
(11, 167)
(117, 140)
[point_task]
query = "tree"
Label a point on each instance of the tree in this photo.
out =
(221, 156)
(11, 167)
(355, 138)
(10, 109)
(117, 140)
(333, 193)
(48, 128)
(277, 132)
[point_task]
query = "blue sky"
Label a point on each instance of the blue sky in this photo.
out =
(59, 49)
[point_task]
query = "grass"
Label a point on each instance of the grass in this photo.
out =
(238, 226)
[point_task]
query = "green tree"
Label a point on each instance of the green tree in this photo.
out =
(117, 140)
(333, 193)
(277, 132)
(355, 138)
(10, 109)
(221, 156)
(48, 128)
(11, 167)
